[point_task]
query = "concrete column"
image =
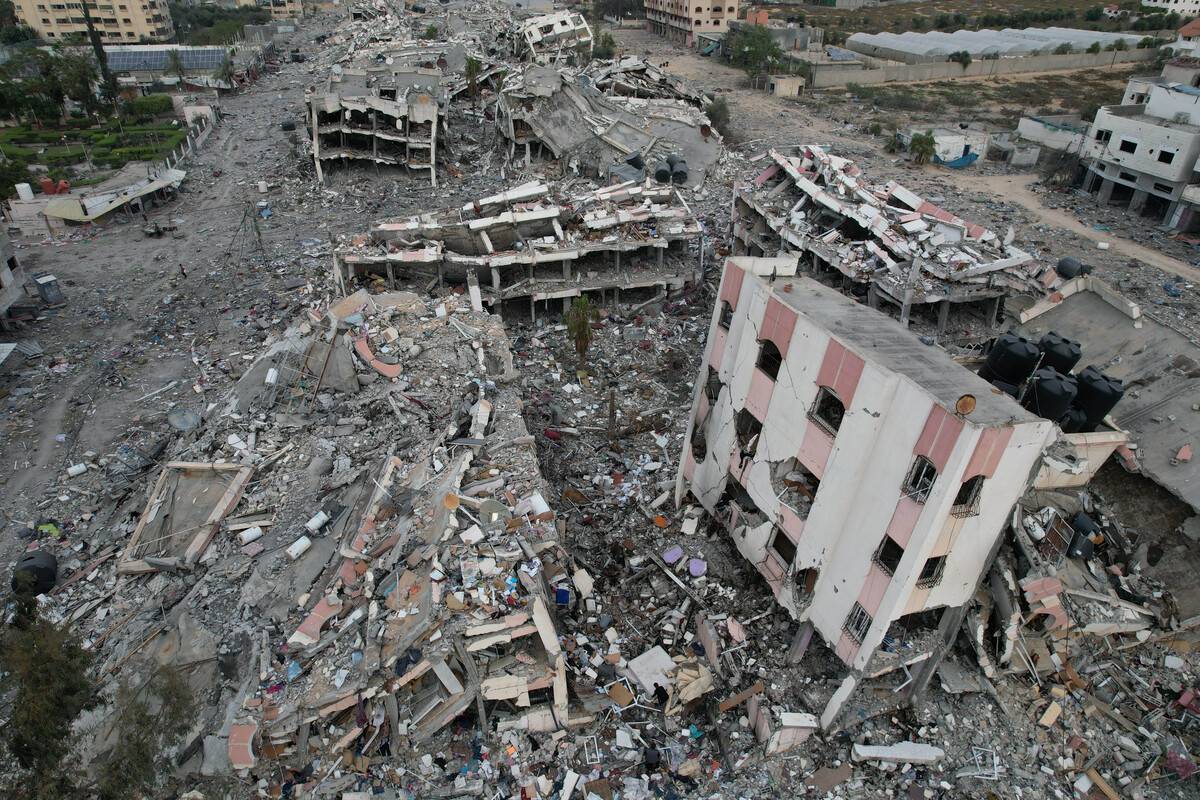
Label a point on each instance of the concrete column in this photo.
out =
(1174, 214)
(1138, 201)
(800, 643)
(943, 317)
(872, 296)
(1105, 193)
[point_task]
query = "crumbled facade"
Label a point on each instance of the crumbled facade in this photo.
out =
(535, 244)
(563, 37)
(886, 242)
(12, 278)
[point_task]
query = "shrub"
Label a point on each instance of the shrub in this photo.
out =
(605, 47)
(961, 57)
(149, 106)
(1094, 47)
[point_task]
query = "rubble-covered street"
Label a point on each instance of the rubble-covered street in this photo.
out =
(478, 421)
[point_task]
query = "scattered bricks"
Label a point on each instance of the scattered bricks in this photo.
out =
(1051, 715)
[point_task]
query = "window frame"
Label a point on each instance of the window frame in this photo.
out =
(878, 557)
(916, 492)
(725, 315)
(771, 369)
(775, 536)
(927, 580)
(1133, 146)
(825, 392)
(970, 508)
(858, 623)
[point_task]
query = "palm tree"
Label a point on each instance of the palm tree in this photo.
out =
(579, 318)
(175, 64)
(922, 147)
(224, 73)
(471, 71)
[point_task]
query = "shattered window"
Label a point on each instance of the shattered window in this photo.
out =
(888, 555)
(806, 580)
(726, 318)
(712, 387)
(858, 622)
(828, 410)
(920, 479)
(748, 429)
(966, 502)
(795, 486)
(699, 442)
(769, 359)
(783, 546)
(931, 573)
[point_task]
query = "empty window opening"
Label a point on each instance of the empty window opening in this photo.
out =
(806, 581)
(858, 622)
(769, 359)
(748, 430)
(888, 555)
(931, 573)
(795, 486)
(1127, 146)
(699, 441)
(712, 387)
(736, 495)
(783, 546)
(828, 410)
(1166, 156)
(726, 318)
(1103, 135)
(966, 502)
(920, 479)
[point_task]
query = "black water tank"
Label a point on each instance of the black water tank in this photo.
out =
(1085, 525)
(1098, 394)
(1071, 267)
(39, 569)
(1074, 420)
(1049, 393)
(662, 172)
(679, 171)
(1010, 360)
(1059, 352)
(1010, 389)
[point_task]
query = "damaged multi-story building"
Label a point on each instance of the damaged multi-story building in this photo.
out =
(389, 113)
(534, 244)
(882, 242)
(563, 37)
(867, 476)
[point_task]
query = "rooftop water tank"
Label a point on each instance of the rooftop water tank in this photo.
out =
(1049, 393)
(1010, 360)
(1059, 352)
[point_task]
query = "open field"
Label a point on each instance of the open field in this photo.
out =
(952, 15)
(1004, 101)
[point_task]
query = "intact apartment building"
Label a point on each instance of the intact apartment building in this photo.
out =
(1142, 153)
(117, 21)
(286, 9)
(681, 20)
(866, 476)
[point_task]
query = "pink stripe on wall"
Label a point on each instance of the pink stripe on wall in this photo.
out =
(716, 352)
(988, 450)
(840, 371)
(777, 325)
(815, 448)
(873, 588)
(758, 399)
(846, 648)
(904, 520)
(938, 437)
(731, 286)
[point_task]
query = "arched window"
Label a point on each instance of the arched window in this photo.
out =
(966, 502)
(747, 428)
(769, 358)
(920, 479)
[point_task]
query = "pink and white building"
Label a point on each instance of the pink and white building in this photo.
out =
(867, 476)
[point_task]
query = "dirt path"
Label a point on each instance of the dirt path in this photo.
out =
(1015, 189)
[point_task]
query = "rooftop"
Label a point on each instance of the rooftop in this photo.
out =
(883, 341)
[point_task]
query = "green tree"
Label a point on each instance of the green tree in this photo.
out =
(1094, 47)
(77, 75)
(579, 318)
(45, 671)
(604, 47)
(922, 147)
(471, 72)
(224, 73)
(149, 720)
(1094, 13)
(431, 32)
(754, 50)
(15, 34)
(962, 57)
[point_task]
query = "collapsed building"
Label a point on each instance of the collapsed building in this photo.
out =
(388, 107)
(633, 76)
(564, 116)
(884, 243)
(803, 399)
(563, 37)
(534, 244)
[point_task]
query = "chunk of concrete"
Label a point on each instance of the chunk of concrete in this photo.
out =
(899, 753)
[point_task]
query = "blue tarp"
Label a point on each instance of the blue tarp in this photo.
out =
(958, 163)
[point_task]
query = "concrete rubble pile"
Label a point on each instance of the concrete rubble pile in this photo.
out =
(889, 241)
(537, 243)
(633, 76)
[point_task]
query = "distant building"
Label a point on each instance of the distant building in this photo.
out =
(1184, 8)
(117, 22)
(286, 9)
(681, 21)
(1142, 154)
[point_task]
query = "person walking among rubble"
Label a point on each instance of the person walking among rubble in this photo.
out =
(183, 270)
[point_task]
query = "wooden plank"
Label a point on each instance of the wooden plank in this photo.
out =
(741, 697)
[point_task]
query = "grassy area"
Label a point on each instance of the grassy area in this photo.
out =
(197, 24)
(1003, 102)
(926, 15)
(110, 146)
